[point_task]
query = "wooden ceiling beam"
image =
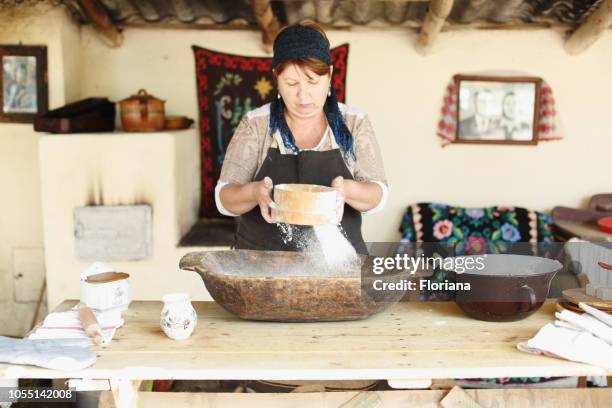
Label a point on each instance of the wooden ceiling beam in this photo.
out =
(101, 21)
(408, 25)
(591, 29)
(267, 21)
(472, 10)
(323, 10)
(432, 24)
(395, 11)
(360, 11)
(506, 11)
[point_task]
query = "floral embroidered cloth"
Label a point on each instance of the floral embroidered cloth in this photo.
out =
(474, 230)
(468, 231)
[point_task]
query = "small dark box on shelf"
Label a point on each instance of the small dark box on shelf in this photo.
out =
(87, 115)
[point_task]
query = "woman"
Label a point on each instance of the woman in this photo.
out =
(303, 136)
(510, 123)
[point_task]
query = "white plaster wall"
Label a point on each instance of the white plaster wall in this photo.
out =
(402, 92)
(21, 235)
(120, 169)
(187, 183)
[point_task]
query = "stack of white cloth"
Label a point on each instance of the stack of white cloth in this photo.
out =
(584, 338)
(66, 325)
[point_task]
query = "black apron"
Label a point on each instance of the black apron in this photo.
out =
(307, 167)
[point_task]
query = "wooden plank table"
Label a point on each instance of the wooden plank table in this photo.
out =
(409, 341)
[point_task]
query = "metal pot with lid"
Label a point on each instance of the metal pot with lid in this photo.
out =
(142, 112)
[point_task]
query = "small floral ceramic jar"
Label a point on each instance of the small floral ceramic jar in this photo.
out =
(178, 317)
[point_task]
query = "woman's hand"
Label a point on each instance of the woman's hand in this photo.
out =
(263, 196)
(239, 199)
(339, 185)
(360, 195)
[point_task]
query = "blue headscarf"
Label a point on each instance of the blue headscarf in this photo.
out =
(303, 42)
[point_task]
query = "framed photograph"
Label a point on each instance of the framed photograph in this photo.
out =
(497, 109)
(23, 83)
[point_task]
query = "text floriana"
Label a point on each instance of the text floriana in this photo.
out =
(423, 284)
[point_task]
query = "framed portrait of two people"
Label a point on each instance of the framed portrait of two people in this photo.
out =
(497, 109)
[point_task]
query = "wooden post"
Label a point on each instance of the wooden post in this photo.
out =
(591, 29)
(270, 26)
(101, 21)
(432, 25)
(474, 9)
(395, 11)
(323, 10)
(507, 11)
(361, 11)
(125, 393)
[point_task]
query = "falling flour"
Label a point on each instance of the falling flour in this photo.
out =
(337, 250)
(286, 232)
(326, 245)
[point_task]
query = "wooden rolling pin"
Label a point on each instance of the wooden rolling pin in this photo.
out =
(90, 324)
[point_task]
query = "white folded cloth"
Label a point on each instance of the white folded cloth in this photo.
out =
(66, 325)
(561, 323)
(44, 333)
(571, 344)
(584, 338)
(598, 314)
(110, 318)
(588, 323)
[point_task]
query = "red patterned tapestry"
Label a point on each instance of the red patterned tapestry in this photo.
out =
(228, 86)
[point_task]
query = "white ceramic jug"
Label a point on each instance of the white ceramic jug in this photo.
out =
(178, 317)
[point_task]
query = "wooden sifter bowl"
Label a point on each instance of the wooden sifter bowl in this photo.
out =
(304, 204)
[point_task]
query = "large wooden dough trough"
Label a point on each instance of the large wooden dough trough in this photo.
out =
(291, 286)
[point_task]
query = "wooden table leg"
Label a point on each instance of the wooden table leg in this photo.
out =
(106, 400)
(125, 393)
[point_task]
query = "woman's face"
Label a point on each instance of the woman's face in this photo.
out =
(509, 106)
(303, 91)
